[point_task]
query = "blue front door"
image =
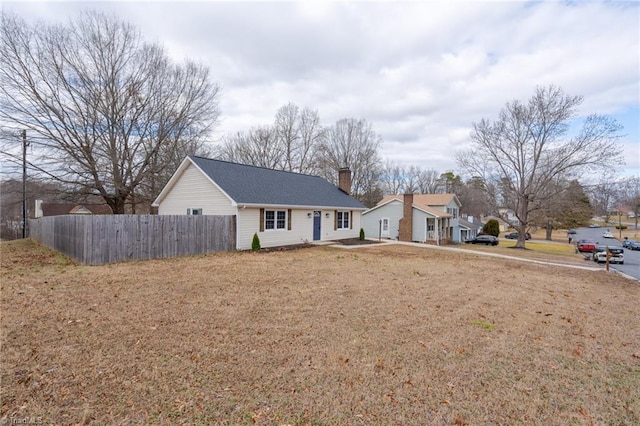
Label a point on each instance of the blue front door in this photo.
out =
(317, 216)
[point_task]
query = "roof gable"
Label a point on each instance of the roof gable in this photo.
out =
(466, 224)
(433, 211)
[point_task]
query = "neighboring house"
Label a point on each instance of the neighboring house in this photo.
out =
(282, 207)
(57, 209)
(469, 228)
(429, 218)
(508, 215)
(504, 226)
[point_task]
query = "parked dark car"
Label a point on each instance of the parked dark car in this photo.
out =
(514, 236)
(626, 243)
(586, 246)
(484, 239)
(634, 245)
(571, 231)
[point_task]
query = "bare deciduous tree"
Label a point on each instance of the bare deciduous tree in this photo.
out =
(527, 146)
(299, 132)
(397, 179)
(428, 181)
(257, 147)
(392, 178)
(291, 143)
(352, 143)
(104, 109)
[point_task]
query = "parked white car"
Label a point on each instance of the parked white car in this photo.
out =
(608, 235)
(616, 254)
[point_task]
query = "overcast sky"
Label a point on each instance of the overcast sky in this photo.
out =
(420, 72)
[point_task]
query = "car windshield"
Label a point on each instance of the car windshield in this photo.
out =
(613, 250)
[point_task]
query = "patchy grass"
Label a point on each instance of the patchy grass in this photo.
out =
(535, 249)
(544, 247)
(389, 334)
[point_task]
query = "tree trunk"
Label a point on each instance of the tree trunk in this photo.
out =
(116, 204)
(522, 223)
(548, 229)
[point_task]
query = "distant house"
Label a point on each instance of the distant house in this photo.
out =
(469, 228)
(58, 209)
(508, 215)
(504, 226)
(429, 218)
(283, 208)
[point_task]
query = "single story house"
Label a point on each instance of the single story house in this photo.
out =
(469, 228)
(428, 218)
(283, 208)
(57, 209)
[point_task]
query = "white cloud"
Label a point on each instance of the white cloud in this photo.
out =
(420, 72)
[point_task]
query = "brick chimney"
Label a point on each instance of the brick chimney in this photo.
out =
(406, 223)
(344, 180)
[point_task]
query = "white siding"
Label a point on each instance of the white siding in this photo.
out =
(419, 226)
(327, 227)
(249, 224)
(194, 190)
(371, 224)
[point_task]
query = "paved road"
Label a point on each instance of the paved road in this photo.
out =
(631, 258)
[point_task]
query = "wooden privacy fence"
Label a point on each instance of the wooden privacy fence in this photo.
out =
(100, 239)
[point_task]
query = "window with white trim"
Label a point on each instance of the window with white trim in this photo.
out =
(453, 212)
(194, 212)
(342, 220)
(275, 219)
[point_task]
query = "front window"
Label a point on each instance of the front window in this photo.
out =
(275, 219)
(343, 220)
(453, 212)
(194, 212)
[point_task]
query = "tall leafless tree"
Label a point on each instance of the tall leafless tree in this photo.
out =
(528, 146)
(428, 181)
(354, 144)
(257, 147)
(397, 179)
(291, 143)
(299, 132)
(104, 109)
(392, 178)
(604, 193)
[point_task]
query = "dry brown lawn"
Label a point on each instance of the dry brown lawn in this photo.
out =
(384, 335)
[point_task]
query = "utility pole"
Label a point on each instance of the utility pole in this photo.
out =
(24, 184)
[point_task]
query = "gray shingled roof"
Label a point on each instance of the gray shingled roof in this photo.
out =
(257, 185)
(467, 224)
